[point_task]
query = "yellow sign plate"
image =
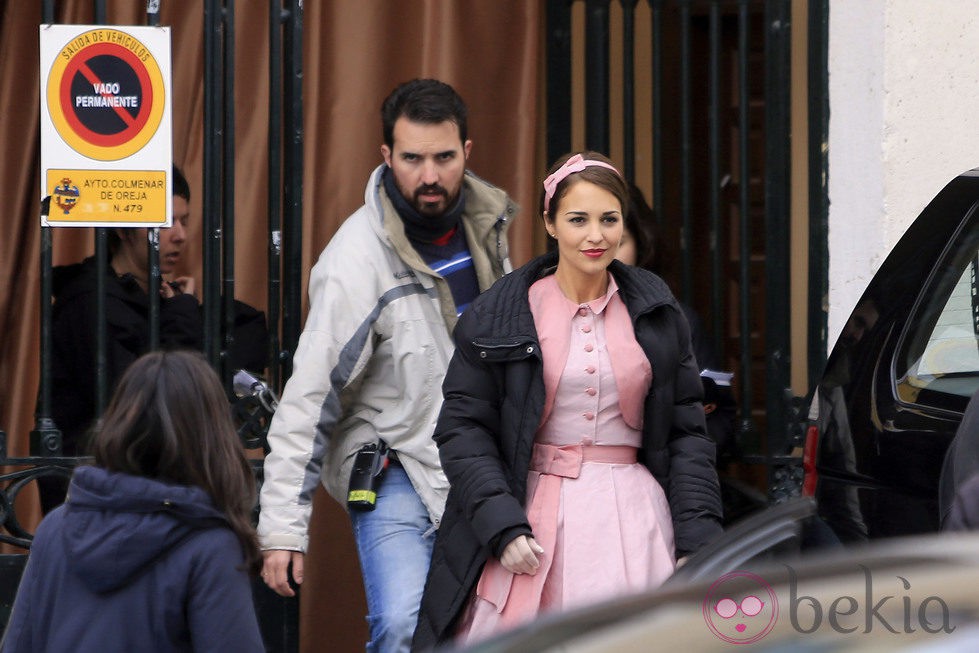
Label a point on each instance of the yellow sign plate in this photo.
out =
(107, 197)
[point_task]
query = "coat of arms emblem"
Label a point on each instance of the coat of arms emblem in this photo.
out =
(65, 195)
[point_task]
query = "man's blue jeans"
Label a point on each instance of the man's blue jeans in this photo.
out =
(394, 542)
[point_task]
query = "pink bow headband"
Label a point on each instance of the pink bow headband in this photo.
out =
(577, 163)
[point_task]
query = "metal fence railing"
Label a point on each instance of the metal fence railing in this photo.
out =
(278, 617)
(693, 98)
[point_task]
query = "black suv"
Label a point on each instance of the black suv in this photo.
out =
(899, 378)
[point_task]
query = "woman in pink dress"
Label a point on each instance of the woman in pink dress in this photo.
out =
(571, 432)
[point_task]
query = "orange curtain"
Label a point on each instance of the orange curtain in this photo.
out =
(354, 53)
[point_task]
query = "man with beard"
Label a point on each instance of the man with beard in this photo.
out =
(367, 373)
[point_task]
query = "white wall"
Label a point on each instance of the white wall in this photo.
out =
(904, 120)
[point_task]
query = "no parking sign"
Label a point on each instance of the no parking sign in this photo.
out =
(106, 150)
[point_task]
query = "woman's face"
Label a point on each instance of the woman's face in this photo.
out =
(588, 226)
(627, 248)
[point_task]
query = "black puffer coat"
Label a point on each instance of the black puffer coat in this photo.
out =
(494, 397)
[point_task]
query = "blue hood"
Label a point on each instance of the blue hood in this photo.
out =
(116, 525)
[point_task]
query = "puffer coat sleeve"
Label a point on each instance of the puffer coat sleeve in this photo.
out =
(468, 438)
(693, 491)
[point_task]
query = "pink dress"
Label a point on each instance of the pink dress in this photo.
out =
(602, 519)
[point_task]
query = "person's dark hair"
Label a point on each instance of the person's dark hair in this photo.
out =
(180, 186)
(640, 222)
(113, 240)
(169, 419)
(601, 176)
(180, 189)
(426, 101)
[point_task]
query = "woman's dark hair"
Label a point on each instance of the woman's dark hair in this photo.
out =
(427, 101)
(169, 419)
(601, 176)
(180, 186)
(640, 222)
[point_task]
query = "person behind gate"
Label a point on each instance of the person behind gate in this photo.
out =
(127, 306)
(127, 312)
(152, 549)
(571, 429)
(358, 412)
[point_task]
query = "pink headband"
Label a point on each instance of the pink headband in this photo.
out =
(577, 163)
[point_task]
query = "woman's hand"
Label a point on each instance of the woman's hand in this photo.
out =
(183, 285)
(520, 556)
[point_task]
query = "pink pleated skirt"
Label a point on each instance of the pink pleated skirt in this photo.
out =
(605, 526)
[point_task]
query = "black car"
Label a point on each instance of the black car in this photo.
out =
(899, 379)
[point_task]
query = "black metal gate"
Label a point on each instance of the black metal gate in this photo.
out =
(278, 617)
(703, 127)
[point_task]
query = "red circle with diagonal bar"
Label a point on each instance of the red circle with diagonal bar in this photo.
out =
(96, 66)
(106, 94)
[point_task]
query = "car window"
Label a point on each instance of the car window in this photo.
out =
(938, 363)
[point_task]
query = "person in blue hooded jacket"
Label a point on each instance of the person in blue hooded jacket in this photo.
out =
(153, 547)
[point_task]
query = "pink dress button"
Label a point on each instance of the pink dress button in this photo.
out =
(582, 312)
(590, 369)
(591, 391)
(589, 347)
(589, 416)
(586, 329)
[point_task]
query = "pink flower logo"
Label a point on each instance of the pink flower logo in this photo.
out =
(740, 608)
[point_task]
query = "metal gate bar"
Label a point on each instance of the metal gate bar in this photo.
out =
(714, 164)
(818, 82)
(686, 271)
(211, 196)
(293, 183)
(747, 425)
(659, 175)
(777, 211)
(228, 191)
(628, 88)
(558, 82)
(597, 75)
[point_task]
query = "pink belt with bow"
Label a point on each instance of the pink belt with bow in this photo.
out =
(566, 460)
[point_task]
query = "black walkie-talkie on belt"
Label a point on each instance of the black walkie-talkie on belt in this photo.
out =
(365, 478)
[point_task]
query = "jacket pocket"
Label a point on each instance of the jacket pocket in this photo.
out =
(506, 349)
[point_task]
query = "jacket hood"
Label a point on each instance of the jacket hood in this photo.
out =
(116, 525)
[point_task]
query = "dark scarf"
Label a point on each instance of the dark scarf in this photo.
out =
(420, 228)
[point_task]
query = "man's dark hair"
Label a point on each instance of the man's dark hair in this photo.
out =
(427, 101)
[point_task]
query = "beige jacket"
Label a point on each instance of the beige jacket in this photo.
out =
(371, 359)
